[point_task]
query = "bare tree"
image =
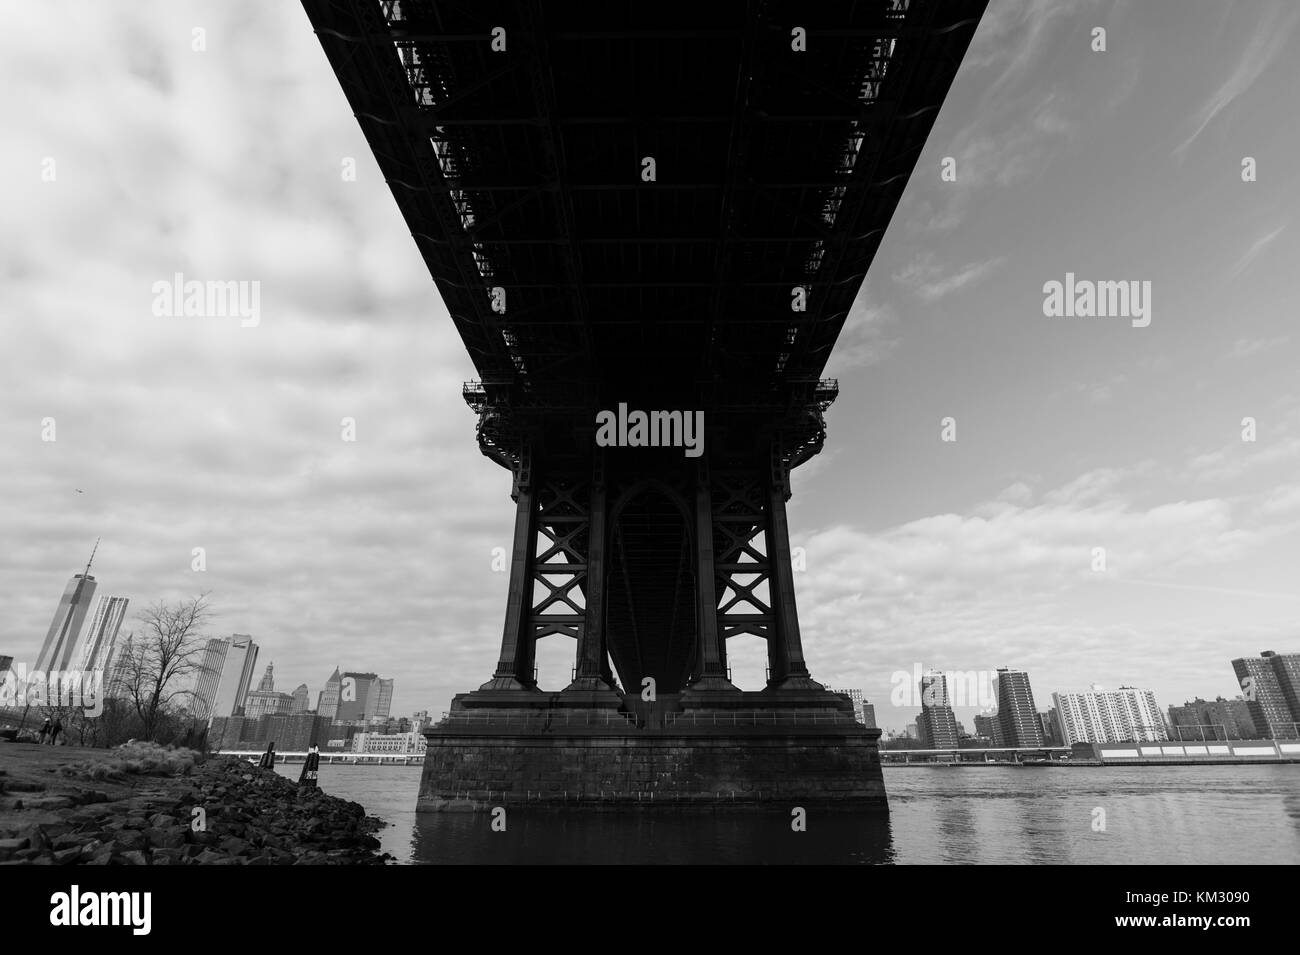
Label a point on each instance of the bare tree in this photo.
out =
(161, 657)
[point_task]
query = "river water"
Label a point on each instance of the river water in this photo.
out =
(1169, 815)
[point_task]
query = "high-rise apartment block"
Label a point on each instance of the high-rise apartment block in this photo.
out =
(1125, 715)
(1270, 684)
(936, 726)
(1217, 719)
(1017, 715)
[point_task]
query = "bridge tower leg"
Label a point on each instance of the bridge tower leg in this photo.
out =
(709, 676)
(785, 647)
(593, 681)
(515, 664)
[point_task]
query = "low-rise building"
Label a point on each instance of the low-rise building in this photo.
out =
(412, 743)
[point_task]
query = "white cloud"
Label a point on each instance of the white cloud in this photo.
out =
(1269, 39)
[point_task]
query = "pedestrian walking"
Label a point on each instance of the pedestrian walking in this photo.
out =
(45, 731)
(54, 733)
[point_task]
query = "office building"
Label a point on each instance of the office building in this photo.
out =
(209, 676)
(354, 694)
(411, 743)
(383, 701)
(1126, 715)
(936, 726)
(236, 674)
(327, 704)
(364, 697)
(1270, 684)
(97, 648)
(1017, 715)
(266, 700)
(61, 639)
(290, 733)
(301, 700)
(123, 670)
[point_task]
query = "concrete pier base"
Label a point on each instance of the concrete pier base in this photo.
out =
(766, 757)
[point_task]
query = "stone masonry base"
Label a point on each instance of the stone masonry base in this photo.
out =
(475, 769)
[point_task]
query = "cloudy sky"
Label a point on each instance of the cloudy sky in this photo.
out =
(129, 156)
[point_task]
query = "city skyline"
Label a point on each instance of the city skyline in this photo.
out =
(110, 611)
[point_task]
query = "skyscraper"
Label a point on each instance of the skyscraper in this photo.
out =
(205, 687)
(1017, 715)
(97, 648)
(122, 674)
(61, 639)
(383, 701)
(301, 700)
(236, 675)
(1126, 715)
(327, 704)
(1271, 684)
(936, 726)
(359, 697)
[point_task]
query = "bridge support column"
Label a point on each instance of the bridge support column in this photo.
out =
(785, 646)
(515, 665)
(710, 672)
(592, 675)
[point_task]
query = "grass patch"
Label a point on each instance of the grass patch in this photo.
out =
(135, 759)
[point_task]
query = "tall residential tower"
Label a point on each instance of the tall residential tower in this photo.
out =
(1271, 684)
(937, 725)
(1017, 715)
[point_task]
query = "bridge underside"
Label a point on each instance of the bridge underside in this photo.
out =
(669, 208)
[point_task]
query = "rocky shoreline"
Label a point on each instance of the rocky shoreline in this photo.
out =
(71, 806)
